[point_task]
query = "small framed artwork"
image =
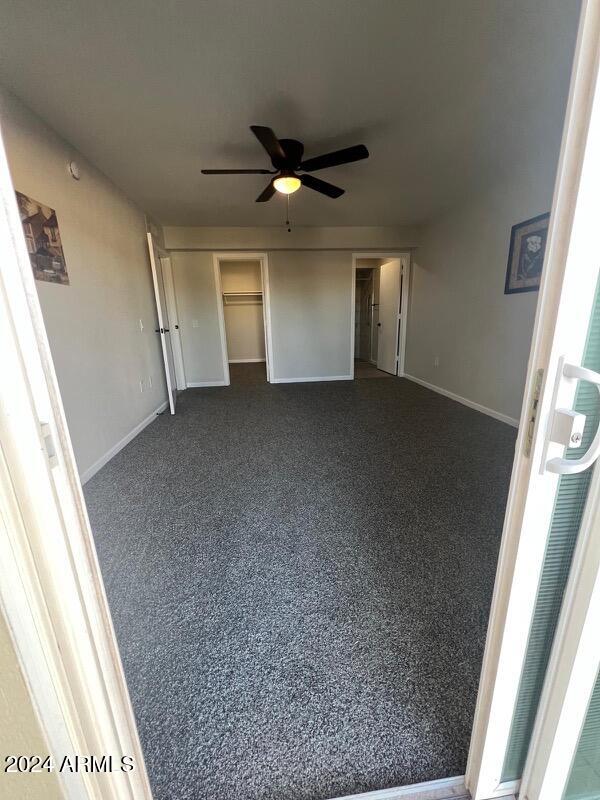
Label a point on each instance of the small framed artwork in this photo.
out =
(526, 255)
(42, 236)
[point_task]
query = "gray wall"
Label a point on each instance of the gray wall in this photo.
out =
(93, 324)
(243, 320)
(311, 295)
(311, 299)
(458, 309)
(359, 238)
(194, 279)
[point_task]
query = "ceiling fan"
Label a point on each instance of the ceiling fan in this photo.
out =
(286, 157)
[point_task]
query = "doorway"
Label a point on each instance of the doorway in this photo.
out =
(380, 313)
(240, 283)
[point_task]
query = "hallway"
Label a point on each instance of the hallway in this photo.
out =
(300, 577)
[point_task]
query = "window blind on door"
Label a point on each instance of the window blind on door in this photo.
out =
(564, 529)
(584, 778)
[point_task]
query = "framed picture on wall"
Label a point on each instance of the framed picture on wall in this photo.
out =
(526, 255)
(42, 236)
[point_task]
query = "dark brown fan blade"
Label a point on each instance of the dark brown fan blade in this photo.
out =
(266, 194)
(237, 171)
(321, 186)
(346, 156)
(269, 141)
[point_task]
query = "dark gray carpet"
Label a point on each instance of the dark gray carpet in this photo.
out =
(300, 578)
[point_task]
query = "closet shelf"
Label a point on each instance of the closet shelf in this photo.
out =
(242, 298)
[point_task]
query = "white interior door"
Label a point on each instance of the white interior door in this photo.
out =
(389, 309)
(163, 322)
(174, 330)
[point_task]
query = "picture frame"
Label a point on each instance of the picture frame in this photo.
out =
(43, 240)
(526, 255)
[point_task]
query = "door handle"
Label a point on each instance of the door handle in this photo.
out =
(574, 422)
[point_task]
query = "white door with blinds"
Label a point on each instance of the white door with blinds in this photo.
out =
(537, 724)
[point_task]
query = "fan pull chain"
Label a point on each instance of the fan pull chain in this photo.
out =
(287, 220)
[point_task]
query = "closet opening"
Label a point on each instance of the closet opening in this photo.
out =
(241, 292)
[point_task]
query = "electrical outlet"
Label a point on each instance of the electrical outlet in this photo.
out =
(142, 386)
(436, 361)
(141, 326)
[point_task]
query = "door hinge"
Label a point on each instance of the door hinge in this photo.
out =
(533, 410)
(48, 441)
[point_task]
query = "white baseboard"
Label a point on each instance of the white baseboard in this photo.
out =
(477, 406)
(247, 360)
(203, 384)
(430, 790)
(91, 471)
(323, 378)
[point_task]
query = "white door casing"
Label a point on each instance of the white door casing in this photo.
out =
(163, 322)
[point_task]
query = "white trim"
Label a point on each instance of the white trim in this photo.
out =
(322, 378)
(264, 274)
(204, 384)
(247, 361)
(470, 403)
(221, 318)
(406, 266)
(353, 319)
(97, 465)
(429, 790)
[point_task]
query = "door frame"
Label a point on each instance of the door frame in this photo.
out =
(405, 258)
(263, 259)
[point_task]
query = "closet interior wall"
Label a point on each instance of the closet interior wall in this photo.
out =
(243, 310)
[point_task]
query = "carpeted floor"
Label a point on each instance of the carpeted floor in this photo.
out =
(300, 578)
(248, 374)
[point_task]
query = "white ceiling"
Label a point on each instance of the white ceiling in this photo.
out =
(446, 94)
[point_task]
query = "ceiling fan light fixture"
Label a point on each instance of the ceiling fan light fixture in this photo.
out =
(287, 183)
